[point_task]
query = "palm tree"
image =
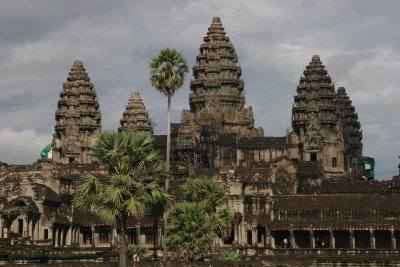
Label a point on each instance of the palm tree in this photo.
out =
(168, 71)
(133, 183)
(189, 235)
(213, 197)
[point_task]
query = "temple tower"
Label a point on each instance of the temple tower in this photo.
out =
(317, 132)
(217, 97)
(77, 119)
(351, 132)
(135, 117)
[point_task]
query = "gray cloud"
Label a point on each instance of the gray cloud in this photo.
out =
(358, 42)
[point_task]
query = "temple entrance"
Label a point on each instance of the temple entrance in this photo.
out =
(362, 239)
(342, 239)
(301, 239)
(229, 240)
(383, 239)
(322, 239)
(397, 237)
(261, 235)
(280, 236)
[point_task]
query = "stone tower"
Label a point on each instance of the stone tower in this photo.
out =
(77, 119)
(135, 117)
(217, 99)
(351, 132)
(317, 132)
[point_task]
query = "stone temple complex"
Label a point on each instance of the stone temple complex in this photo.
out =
(305, 186)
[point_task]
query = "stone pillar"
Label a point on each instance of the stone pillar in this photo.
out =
(25, 229)
(55, 235)
(267, 242)
(254, 236)
(312, 240)
(291, 239)
(92, 236)
(138, 239)
(243, 234)
(372, 238)
(352, 240)
(331, 238)
(272, 240)
(1, 226)
(392, 238)
(68, 236)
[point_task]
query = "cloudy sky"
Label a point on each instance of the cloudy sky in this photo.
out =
(358, 41)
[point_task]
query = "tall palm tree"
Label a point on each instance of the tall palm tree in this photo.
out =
(167, 74)
(133, 183)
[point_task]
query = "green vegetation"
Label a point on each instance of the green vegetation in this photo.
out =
(196, 222)
(167, 74)
(135, 169)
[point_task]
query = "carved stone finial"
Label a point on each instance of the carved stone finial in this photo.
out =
(216, 20)
(135, 117)
(315, 58)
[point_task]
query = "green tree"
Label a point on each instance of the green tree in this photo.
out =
(213, 197)
(167, 74)
(135, 169)
(232, 256)
(196, 222)
(189, 235)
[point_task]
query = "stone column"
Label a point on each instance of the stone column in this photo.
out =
(267, 242)
(138, 239)
(372, 238)
(68, 236)
(243, 234)
(331, 238)
(272, 239)
(312, 240)
(291, 239)
(25, 227)
(352, 239)
(392, 238)
(254, 235)
(92, 236)
(1, 226)
(55, 234)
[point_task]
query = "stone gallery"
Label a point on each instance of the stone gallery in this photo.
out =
(306, 189)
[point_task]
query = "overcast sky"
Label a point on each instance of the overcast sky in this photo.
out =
(358, 41)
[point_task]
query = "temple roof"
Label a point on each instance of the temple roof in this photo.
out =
(135, 117)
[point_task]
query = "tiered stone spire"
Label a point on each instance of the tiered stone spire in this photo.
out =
(315, 97)
(135, 117)
(77, 118)
(316, 121)
(351, 132)
(217, 96)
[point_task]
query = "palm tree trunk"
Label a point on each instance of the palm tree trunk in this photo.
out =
(165, 255)
(122, 244)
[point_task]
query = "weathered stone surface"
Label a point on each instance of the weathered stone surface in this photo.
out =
(135, 117)
(217, 98)
(77, 118)
(351, 132)
(317, 130)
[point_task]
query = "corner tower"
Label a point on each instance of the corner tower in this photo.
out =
(351, 132)
(77, 119)
(217, 99)
(317, 132)
(135, 117)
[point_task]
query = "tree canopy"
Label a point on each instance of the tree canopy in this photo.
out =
(135, 169)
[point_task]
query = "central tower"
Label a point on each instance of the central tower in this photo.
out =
(217, 98)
